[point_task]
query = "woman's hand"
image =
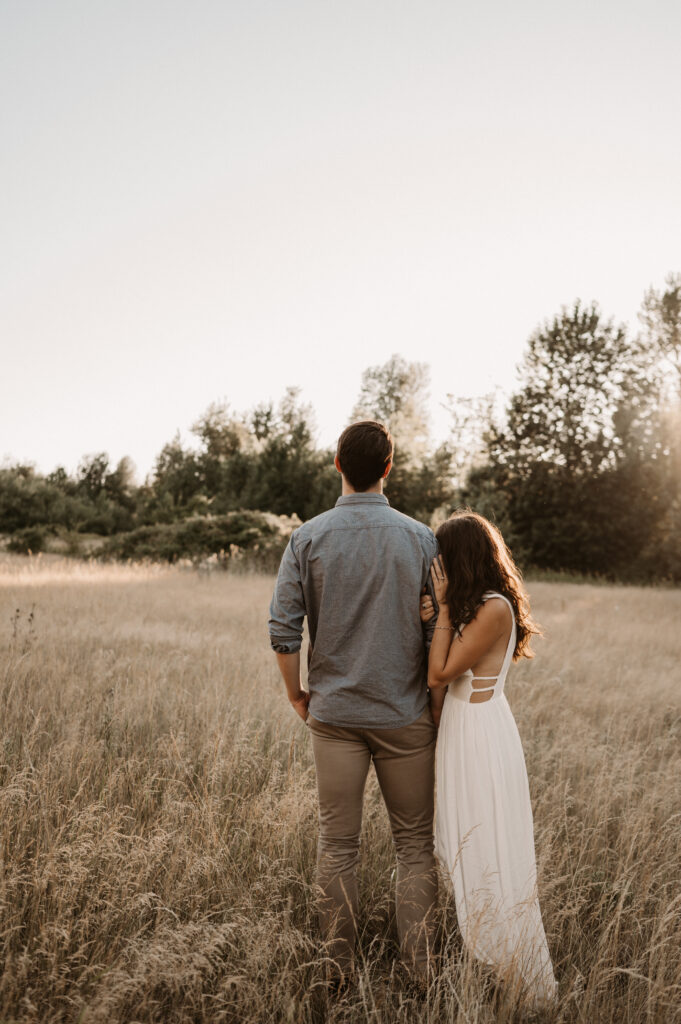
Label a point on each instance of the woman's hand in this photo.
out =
(440, 581)
(426, 607)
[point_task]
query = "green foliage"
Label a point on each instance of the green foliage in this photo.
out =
(28, 499)
(420, 489)
(582, 473)
(396, 393)
(95, 502)
(30, 541)
(289, 475)
(176, 480)
(661, 318)
(578, 477)
(92, 473)
(580, 375)
(266, 461)
(259, 536)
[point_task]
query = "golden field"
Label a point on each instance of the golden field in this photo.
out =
(158, 811)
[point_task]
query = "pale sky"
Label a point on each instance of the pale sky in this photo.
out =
(207, 201)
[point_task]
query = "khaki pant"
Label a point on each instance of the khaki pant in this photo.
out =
(404, 763)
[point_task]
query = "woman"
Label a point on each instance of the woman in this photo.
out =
(484, 834)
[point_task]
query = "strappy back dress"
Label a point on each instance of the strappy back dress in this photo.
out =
(484, 829)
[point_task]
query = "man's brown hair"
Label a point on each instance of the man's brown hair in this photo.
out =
(364, 450)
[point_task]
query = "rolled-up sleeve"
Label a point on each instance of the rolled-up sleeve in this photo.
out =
(287, 609)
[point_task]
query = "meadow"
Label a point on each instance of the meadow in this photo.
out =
(158, 811)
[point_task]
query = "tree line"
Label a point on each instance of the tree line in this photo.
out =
(581, 467)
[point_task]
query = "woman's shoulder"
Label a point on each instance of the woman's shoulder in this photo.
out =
(496, 609)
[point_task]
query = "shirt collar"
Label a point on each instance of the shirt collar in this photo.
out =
(363, 498)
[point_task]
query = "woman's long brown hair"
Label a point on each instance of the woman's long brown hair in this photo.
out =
(476, 560)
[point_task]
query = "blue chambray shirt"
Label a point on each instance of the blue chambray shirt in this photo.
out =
(357, 572)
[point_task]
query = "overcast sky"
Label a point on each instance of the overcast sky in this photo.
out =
(214, 200)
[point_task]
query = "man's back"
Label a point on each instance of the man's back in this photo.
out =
(356, 571)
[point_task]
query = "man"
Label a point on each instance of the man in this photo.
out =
(357, 572)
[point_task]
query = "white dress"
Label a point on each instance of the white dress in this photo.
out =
(484, 832)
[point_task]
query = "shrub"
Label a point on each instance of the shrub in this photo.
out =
(29, 541)
(245, 538)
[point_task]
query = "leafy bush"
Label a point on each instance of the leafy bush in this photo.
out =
(255, 539)
(28, 541)
(28, 499)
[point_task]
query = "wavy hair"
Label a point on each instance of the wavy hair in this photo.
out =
(476, 560)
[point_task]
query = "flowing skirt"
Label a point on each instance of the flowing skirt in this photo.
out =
(484, 838)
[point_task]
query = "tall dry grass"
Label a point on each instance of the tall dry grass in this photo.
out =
(158, 812)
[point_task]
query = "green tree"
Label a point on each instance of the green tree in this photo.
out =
(109, 492)
(58, 502)
(176, 479)
(119, 484)
(471, 419)
(572, 475)
(661, 317)
(396, 394)
(92, 472)
(290, 475)
(579, 377)
(224, 463)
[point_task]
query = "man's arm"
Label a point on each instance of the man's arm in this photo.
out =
(287, 612)
(289, 666)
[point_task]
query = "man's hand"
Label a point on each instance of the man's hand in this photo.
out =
(300, 703)
(426, 606)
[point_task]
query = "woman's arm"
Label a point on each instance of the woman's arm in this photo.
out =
(437, 699)
(440, 647)
(451, 653)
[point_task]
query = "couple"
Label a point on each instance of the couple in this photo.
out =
(390, 618)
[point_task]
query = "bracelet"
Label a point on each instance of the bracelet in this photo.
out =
(446, 627)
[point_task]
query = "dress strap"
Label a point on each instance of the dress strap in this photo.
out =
(512, 638)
